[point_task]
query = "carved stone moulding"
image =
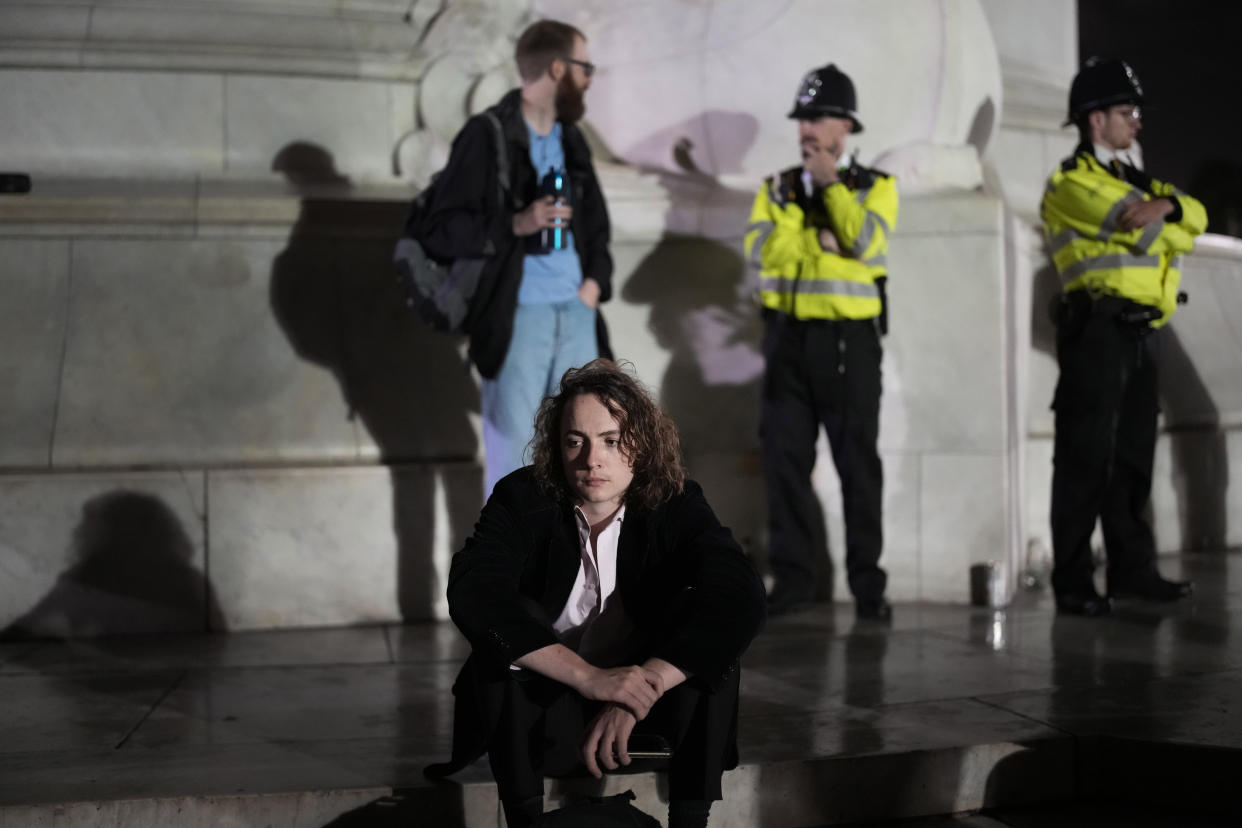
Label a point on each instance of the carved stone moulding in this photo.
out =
(371, 39)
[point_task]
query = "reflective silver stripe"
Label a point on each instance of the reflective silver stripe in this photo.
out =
(1109, 225)
(834, 287)
(861, 197)
(876, 261)
(861, 243)
(1112, 261)
(1150, 234)
(777, 284)
(1061, 240)
(1175, 263)
(839, 287)
(765, 229)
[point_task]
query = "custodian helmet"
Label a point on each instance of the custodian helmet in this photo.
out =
(826, 91)
(1101, 83)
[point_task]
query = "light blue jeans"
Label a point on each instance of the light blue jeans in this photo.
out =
(547, 340)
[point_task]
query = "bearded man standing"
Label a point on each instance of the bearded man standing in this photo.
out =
(535, 311)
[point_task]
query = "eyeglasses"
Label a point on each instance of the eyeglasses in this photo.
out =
(1129, 113)
(588, 68)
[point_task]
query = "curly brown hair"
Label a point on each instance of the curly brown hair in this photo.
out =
(648, 435)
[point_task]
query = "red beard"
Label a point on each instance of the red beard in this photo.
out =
(570, 100)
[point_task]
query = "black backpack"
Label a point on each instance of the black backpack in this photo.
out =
(440, 290)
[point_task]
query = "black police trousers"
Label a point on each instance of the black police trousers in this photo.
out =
(542, 723)
(1105, 407)
(822, 373)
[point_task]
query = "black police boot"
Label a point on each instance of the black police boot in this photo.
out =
(1151, 586)
(873, 609)
(1087, 604)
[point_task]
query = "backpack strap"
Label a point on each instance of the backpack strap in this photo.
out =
(502, 157)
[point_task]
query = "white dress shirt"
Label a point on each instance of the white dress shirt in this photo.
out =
(1105, 156)
(593, 622)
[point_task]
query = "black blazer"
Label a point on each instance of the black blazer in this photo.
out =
(462, 222)
(693, 595)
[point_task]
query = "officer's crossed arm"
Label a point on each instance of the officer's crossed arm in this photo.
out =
(1142, 213)
(1077, 200)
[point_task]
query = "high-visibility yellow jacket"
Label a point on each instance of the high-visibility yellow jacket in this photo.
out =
(797, 275)
(1081, 210)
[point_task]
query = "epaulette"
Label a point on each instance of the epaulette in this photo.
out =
(784, 186)
(791, 177)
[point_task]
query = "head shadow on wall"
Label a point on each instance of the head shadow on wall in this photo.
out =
(700, 298)
(131, 572)
(333, 292)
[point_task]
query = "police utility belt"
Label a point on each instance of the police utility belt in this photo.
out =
(1125, 311)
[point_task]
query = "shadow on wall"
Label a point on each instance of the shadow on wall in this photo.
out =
(707, 145)
(711, 386)
(1197, 445)
(334, 294)
(701, 293)
(132, 572)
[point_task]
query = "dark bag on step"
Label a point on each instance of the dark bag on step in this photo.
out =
(599, 812)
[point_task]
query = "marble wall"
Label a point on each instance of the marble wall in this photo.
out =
(334, 440)
(206, 360)
(1201, 408)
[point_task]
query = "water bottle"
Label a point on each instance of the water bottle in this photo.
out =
(555, 184)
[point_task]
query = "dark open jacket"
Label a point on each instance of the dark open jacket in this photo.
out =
(695, 599)
(462, 222)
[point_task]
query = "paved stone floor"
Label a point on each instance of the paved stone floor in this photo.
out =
(1015, 718)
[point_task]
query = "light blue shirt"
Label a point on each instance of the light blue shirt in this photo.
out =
(551, 277)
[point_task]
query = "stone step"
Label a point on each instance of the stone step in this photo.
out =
(804, 793)
(829, 790)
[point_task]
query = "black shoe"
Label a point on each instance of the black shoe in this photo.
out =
(875, 610)
(1152, 588)
(785, 601)
(1087, 604)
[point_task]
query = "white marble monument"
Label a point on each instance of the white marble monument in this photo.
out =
(197, 308)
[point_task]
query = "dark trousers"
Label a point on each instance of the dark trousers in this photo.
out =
(822, 373)
(1106, 405)
(542, 723)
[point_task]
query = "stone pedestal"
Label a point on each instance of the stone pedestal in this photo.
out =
(198, 319)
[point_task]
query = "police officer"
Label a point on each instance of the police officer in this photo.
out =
(1116, 237)
(819, 235)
